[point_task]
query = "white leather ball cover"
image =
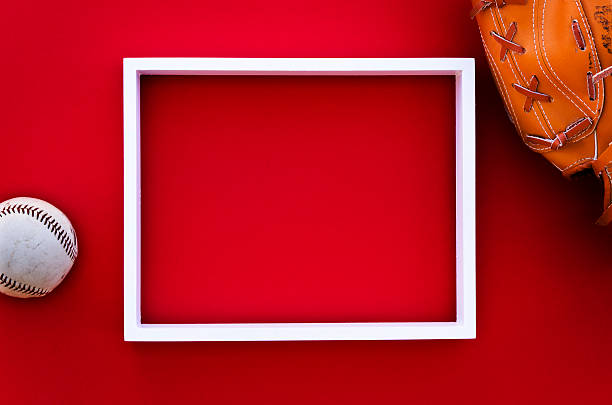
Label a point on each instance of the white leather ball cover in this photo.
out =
(38, 247)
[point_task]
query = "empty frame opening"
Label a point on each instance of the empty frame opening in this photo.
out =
(298, 199)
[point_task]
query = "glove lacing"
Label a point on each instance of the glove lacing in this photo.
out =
(602, 167)
(531, 92)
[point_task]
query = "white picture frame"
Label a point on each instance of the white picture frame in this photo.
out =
(465, 325)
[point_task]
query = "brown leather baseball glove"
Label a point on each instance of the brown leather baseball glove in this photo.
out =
(549, 59)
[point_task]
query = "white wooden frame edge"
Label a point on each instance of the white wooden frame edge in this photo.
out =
(465, 325)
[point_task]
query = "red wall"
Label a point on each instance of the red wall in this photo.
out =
(544, 282)
(298, 199)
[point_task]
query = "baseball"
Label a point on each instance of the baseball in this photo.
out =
(38, 247)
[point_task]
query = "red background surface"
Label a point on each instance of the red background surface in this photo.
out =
(544, 284)
(297, 199)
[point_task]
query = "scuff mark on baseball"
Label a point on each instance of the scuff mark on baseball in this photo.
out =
(38, 247)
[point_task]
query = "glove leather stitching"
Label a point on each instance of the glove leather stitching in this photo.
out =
(511, 60)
